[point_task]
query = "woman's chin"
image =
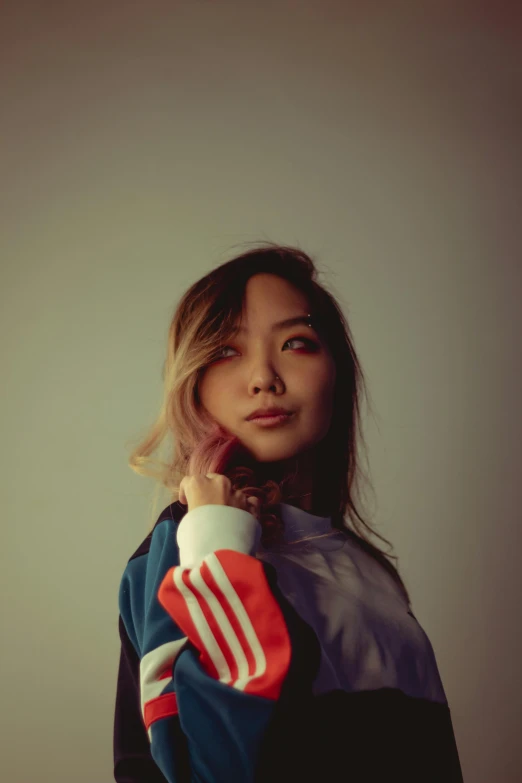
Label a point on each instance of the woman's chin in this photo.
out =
(272, 453)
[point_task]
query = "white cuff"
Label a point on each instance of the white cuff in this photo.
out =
(212, 527)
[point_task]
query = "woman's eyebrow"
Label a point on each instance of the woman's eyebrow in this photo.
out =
(298, 319)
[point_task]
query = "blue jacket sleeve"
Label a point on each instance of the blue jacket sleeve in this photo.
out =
(223, 657)
(133, 762)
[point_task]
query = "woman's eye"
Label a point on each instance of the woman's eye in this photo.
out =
(308, 343)
(220, 356)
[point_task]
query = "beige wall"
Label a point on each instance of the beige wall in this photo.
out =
(140, 141)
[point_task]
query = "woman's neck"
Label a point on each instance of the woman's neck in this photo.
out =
(301, 489)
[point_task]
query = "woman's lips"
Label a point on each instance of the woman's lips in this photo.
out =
(271, 421)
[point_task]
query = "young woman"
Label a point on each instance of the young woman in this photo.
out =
(263, 637)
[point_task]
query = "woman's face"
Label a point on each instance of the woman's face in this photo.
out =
(264, 367)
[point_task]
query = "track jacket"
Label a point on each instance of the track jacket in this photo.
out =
(302, 662)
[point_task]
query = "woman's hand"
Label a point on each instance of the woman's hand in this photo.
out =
(215, 489)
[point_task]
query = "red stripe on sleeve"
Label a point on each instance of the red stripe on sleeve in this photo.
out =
(161, 707)
(247, 576)
(173, 601)
(232, 618)
(263, 636)
(216, 630)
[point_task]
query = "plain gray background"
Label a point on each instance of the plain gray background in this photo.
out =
(139, 142)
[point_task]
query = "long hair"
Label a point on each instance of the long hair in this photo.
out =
(204, 319)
